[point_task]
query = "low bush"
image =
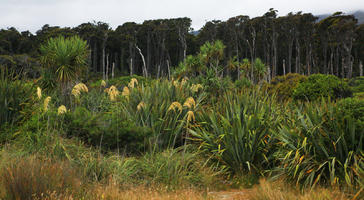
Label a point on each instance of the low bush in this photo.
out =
(352, 109)
(320, 85)
(357, 84)
(106, 130)
(284, 86)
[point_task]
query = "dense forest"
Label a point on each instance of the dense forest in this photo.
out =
(295, 43)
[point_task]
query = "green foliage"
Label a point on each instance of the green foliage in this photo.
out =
(320, 85)
(122, 81)
(175, 168)
(214, 85)
(243, 83)
(284, 86)
(320, 145)
(16, 97)
(108, 131)
(357, 85)
(352, 109)
(236, 131)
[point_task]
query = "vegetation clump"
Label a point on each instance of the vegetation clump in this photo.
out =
(320, 85)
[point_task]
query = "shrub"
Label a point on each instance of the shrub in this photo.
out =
(352, 109)
(357, 84)
(106, 130)
(16, 97)
(320, 85)
(284, 86)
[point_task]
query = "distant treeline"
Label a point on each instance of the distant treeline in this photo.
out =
(297, 42)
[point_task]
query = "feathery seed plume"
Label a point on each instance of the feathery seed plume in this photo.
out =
(39, 93)
(141, 105)
(184, 81)
(190, 116)
(190, 102)
(113, 92)
(46, 102)
(175, 105)
(62, 109)
(195, 87)
(77, 89)
(103, 83)
(133, 82)
(126, 92)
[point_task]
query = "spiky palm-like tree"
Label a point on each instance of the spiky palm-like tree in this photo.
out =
(65, 59)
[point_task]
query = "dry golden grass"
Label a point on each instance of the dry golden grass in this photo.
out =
(113, 192)
(33, 177)
(279, 190)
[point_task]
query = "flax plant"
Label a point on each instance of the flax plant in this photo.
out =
(236, 131)
(319, 145)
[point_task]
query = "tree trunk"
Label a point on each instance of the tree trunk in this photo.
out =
(360, 68)
(113, 70)
(145, 72)
(131, 66)
(331, 63)
(290, 47)
(95, 58)
(298, 61)
(169, 70)
(284, 67)
(103, 56)
(107, 67)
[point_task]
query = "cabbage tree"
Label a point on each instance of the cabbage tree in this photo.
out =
(65, 59)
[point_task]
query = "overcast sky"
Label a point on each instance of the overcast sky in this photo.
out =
(33, 14)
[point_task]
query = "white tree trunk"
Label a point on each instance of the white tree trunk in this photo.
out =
(131, 66)
(113, 70)
(284, 67)
(107, 67)
(145, 72)
(360, 69)
(169, 70)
